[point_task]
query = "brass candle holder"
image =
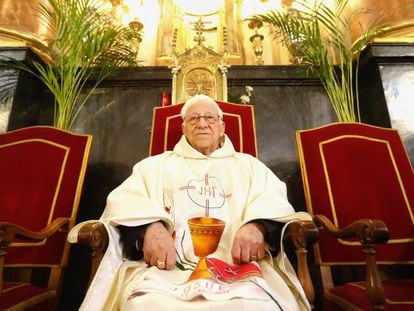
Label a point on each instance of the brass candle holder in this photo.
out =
(257, 40)
(135, 43)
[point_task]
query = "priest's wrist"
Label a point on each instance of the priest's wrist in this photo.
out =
(139, 243)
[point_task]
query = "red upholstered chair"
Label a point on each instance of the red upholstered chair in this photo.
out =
(41, 176)
(359, 185)
(239, 119)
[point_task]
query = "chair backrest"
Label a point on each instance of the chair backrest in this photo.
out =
(42, 171)
(352, 171)
(239, 119)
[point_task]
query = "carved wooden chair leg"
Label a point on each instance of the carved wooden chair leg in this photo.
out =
(373, 233)
(369, 232)
(303, 234)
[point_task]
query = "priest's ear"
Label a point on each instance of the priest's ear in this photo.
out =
(223, 128)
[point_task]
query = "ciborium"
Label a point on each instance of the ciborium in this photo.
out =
(205, 234)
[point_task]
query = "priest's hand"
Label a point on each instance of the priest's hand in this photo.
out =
(159, 249)
(249, 243)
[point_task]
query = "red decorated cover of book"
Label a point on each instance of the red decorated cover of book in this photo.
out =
(212, 279)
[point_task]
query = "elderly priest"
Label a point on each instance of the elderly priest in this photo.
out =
(197, 228)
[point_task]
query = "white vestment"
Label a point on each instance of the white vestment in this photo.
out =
(179, 185)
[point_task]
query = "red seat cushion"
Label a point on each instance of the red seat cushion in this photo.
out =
(28, 296)
(399, 295)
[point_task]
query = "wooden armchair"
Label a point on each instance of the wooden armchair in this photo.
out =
(359, 185)
(41, 176)
(240, 127)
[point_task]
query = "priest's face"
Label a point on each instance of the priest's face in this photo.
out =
(202, 127)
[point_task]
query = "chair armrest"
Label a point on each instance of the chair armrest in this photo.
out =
(95, 236)
(302, 234)
(369, 232)
(9, 231)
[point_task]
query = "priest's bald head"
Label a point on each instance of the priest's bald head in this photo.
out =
(203, 124)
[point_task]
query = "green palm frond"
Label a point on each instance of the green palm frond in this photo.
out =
(86, 43)
(321, 37)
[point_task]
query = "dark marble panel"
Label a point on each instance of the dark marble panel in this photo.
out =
(398, 84)
(387, 82)
(119, 120)
(285, 100)
(280, 111)
(24, 100)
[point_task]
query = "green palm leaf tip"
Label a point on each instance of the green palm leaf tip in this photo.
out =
(86, 45)
(320, 35)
